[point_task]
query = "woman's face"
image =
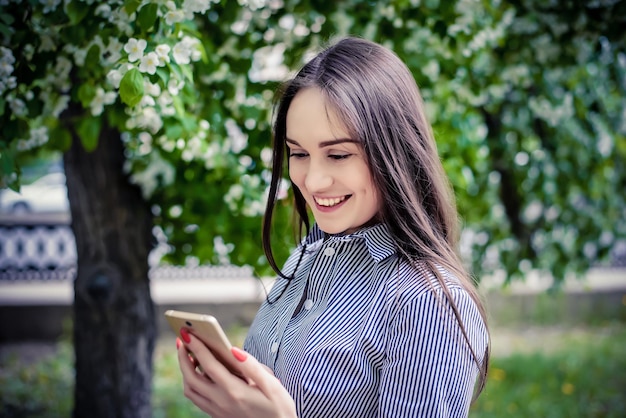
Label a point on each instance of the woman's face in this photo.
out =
(328, 167)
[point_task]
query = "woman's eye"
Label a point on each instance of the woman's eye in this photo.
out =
(339, 156)
(296, 154)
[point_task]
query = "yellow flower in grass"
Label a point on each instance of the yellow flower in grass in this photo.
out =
(567, 388)
(497, 374)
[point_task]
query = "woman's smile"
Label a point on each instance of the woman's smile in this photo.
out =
(327, 166)
(330, 202)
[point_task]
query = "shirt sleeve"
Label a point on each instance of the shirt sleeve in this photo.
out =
(429, 370)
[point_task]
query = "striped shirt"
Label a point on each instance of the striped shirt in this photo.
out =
(361, 333)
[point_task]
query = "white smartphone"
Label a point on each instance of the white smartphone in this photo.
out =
(209, 331)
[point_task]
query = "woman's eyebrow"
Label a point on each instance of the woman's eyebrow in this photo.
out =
(327, 143)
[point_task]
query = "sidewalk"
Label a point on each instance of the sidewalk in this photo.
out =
(38, 310)
(202, 290)
(164, 291)
(596, 280)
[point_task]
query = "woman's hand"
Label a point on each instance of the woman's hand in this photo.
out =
(220, 394)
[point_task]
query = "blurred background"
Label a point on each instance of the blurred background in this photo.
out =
(135, 157)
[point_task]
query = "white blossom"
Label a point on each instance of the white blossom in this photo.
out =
(163, 52)
(266, 156)
(174, 16)
(245, 161)
(186, 50)
(196, 6)
(174, 86)
(167, 144)
(103, 10)
(187, 155)
(195, 145)
(149, 63)
(165, 102)
(145, 143)
(49, 5)
(122, 20)
(102, 98)
(287, 22)
(135, 49)
(153, 89)
(28, 51)
(79, 56)
(7, 84)
(268, 64)
(283, 189)
(237, 140)
(147, 100)
(18, 107)
(234, 193)
(47, 43)
(37, 137)
(149, 119)
(113, 51)
(254, 208)
(114, 77)
(6, 62)
(63, 67)
(59, 105)
(222, 250)
(181, 53)
(157, 171)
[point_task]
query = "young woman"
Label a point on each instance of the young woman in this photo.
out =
(373, 315)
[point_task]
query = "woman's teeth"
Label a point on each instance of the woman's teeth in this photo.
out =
(329, 202)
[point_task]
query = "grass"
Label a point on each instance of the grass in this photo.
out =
(583, 377)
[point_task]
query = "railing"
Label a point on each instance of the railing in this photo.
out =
(42, 247)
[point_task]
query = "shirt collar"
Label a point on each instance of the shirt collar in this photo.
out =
(377, 238)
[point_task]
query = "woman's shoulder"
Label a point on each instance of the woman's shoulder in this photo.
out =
(416, 280)
(422, 295)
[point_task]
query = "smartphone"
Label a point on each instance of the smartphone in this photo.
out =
(208, 330)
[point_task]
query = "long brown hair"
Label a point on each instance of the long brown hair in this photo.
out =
(376, 97)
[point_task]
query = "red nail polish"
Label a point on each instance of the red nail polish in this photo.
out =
(178, 343)
(239, 354)
(185, 335)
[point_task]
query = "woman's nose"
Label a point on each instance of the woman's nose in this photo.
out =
(318, 178)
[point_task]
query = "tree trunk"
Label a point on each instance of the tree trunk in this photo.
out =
(114, 322)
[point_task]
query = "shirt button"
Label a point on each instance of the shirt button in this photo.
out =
(329, 251)
(274, 348)
(308, 304)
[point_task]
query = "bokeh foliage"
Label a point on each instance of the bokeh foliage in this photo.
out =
(527, 100)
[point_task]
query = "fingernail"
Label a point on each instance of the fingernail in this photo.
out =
(178, 343)
(239, 354)
(185, 335)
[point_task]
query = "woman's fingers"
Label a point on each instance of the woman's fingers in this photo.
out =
(266, 382)
(257, 372)
(205, 360)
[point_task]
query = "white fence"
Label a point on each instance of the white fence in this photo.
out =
(43, 248)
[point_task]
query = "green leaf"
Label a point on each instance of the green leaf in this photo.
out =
(131, 6)
(131, 87)
(92, 59)
(6, 18)
(187, 72)
(89, 130)
(7, 162)
(5, 31)
(76, 11)
(60, 139)
(86, 93)
(147, 16)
